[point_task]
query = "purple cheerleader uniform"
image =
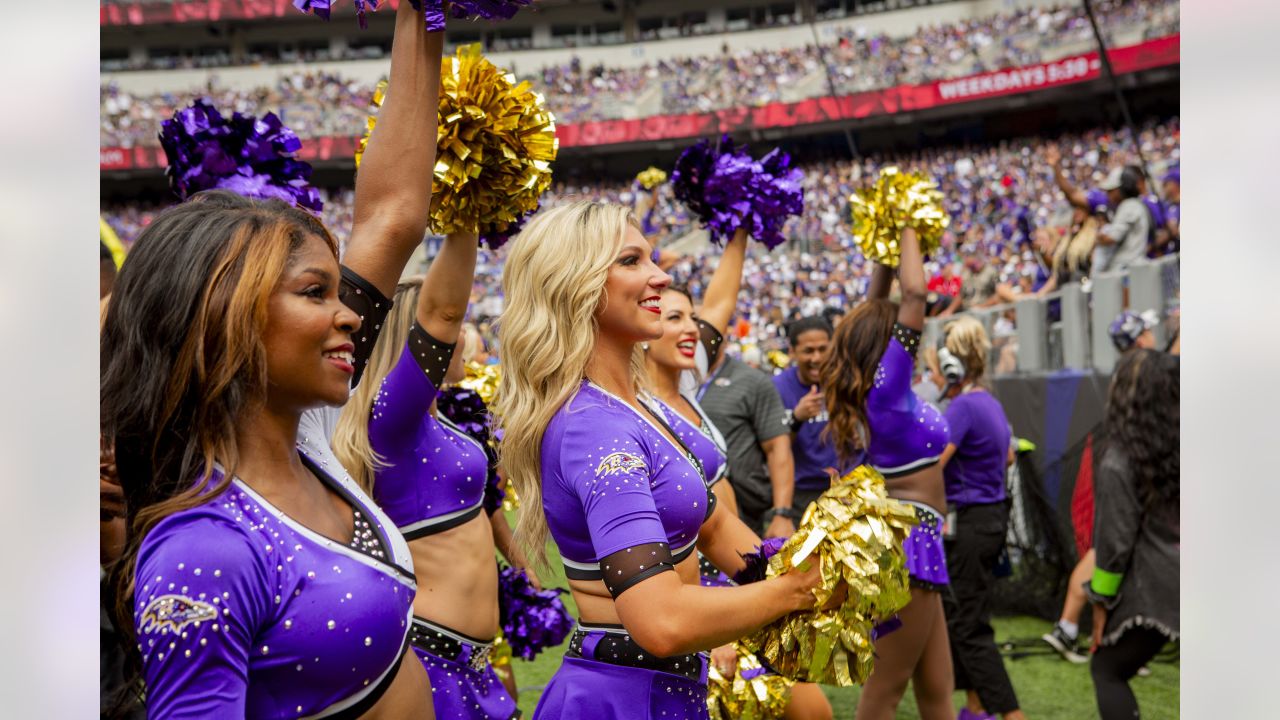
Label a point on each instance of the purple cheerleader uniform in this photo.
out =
(623, 503)
(432, 478)
(908, 435)
(242, 612)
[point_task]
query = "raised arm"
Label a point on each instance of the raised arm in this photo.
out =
(915, 291)
(1074, 195)
(722, 290)
(446, 291)
(881, 282)
(393, 187)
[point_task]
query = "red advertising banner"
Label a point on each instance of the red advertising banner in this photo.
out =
(1069, 70)
(182, 11)
(1076, 69)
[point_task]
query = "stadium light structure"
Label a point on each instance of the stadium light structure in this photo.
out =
(1152, 186)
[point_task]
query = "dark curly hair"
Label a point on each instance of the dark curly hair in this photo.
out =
(1142, 422)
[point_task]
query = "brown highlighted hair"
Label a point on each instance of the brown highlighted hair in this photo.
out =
(182, 356)
(850, 370)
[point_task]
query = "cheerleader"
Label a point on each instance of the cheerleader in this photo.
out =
(666, 358)
(622, 494)
(258, 579)
(430, 477)
(867, 384)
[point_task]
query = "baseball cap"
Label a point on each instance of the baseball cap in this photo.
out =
(1129, 326)
(1112, 182)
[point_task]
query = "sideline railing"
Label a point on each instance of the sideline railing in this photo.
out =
(1068, 328)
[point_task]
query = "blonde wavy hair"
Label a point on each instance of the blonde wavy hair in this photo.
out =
(351, 436)
(968, 341)
(1073, 252)
(553, 279)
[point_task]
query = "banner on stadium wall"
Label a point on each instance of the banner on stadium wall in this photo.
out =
(184, 11)
(1066, 71)
(141, 158)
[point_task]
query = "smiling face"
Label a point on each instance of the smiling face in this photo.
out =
(308, 335)
(631, 308)
(809, 352)
(679, 342)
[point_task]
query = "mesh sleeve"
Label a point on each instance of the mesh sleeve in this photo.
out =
(630, 566)
(432, 355)
(909, 338)
(711, 340)
(372, 306)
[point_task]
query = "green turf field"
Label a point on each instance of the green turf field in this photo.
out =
(1047, 686)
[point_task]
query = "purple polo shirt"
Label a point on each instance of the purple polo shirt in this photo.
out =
(978, 428)
(813, 455)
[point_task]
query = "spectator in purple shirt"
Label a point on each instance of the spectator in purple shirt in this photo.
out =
(799, 385)
(974, 463)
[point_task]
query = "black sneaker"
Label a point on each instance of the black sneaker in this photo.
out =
(1065, 645)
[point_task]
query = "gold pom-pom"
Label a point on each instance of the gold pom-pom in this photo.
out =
(482, 380)
(495, 142)
(500, 654)
(752, 693)
(651, 178)
(855, 531)
(778, 359)
(379, 94)
(494, 147)
(896, 202)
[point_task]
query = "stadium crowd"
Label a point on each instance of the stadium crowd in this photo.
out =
(1008, 217)
(316, 103)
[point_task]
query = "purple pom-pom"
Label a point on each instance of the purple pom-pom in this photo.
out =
(758, 561)
(465, 408)
(532, 620)
(433, 12)
(494, 238)
(728, 190)
(324, 8)
(247, 155)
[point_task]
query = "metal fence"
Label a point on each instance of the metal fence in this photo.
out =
(1068, 328)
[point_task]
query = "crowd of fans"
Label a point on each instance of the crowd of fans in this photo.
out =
(317, 103)
(1007, 218)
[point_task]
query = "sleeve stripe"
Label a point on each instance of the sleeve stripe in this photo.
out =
(1105, 582)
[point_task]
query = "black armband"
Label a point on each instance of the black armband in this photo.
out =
(372, 306)
(909, 338)
(432, 355)
(623, 569)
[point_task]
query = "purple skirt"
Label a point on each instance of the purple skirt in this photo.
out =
(591, 690)
(464, 693)
(926, 557)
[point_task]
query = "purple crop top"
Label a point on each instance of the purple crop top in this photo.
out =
(434, 474)
(243, 612)
(703, 440)
(907, 433)
(622, 501)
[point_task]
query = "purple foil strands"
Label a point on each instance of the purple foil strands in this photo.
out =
(465, 408)
(433, 12)
(532, 620)
(727, 190)
(247, 155)
(758, 561)
(323, 8)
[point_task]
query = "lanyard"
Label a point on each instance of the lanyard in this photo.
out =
(702, 389)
